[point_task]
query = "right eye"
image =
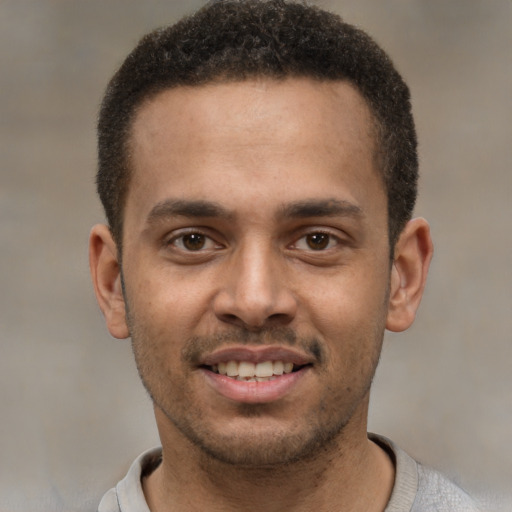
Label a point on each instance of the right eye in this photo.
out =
(193, 242)
(317, 241)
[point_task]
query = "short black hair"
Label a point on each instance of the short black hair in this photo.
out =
(235, 40)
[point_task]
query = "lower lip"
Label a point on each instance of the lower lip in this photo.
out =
(254, 392)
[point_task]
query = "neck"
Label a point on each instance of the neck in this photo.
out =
(350, 474)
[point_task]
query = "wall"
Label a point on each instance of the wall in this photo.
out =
(73, 412)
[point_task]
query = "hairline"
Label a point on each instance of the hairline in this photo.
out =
(374, 132)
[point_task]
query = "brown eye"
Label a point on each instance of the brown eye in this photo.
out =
(318, 241)
(194, 241)
(191, 246)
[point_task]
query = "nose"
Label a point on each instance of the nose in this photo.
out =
(254, 293)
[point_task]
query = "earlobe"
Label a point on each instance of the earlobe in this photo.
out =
(413, 252)
(106, 277)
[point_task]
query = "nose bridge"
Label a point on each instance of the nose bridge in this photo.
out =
(255, 283)
(255, 291)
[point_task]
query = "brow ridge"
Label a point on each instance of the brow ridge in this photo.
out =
(187, 208)
(209, 209)
(320, 208)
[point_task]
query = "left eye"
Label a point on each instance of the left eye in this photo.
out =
(193, 242)
(316, 242)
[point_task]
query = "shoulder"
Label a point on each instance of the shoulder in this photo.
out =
(421, 489)
(436, 492)
(127, 495)
(109, 502)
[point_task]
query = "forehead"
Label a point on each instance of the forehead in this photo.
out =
(330, 109)
(249, 137)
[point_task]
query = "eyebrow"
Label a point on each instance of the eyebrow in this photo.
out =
(186, 208)
(208, 209)
(320, 208)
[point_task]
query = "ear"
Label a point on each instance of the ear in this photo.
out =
(106, 277)
(412, 255)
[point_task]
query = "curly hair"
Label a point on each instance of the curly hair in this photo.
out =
(235, 40)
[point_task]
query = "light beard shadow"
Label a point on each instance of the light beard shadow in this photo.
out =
(197, 346)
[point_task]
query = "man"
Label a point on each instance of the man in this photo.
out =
(258, 169)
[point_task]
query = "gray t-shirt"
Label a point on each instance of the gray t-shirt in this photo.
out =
(416, 489)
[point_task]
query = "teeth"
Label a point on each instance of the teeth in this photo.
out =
(250, 372)
(278, 368)
(246, 369)
(265, 369)
(264, 379)
(232, 369)
(246, 379)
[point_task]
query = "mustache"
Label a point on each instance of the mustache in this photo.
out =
(198, 346)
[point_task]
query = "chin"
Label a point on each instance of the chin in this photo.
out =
(264, 446)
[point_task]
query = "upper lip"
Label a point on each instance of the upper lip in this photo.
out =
(255, 355)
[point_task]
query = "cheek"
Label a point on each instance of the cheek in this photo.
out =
(347, 303)
(162, 317)
(168, 303)
(157, 345)
(350, 316)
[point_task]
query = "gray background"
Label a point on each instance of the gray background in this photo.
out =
(73, 414)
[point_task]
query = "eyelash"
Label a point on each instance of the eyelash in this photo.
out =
(180, 239)
(332, 240)
(327, 241)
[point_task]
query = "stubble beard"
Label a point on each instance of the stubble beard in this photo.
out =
(267, 450)
(257, 447)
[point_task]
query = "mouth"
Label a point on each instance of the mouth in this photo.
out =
(247, 371)
(256, 374)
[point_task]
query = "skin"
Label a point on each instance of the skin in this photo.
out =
(256, 217)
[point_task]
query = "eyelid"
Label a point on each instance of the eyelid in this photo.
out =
(335, 237)
(170, 239)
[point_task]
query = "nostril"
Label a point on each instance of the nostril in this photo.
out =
(254, 308)
(228, 317)
(233, 319)
(280, 318)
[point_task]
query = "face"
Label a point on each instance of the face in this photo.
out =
(256, 265)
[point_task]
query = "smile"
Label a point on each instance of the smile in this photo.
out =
(254, 372)
(255, 375)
